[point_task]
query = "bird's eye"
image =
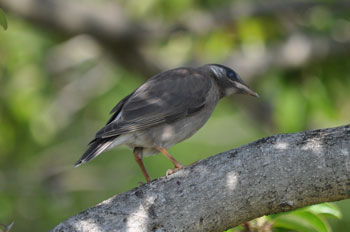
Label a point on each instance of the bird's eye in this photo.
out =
(230, 74)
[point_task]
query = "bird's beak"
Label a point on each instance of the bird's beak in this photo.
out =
(246, 90)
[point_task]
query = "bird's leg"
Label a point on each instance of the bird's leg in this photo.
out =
(176, 163)
(139, 161)
(166, 154)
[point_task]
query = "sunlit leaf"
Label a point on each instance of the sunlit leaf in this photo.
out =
(327, 209)
(301, 221)
(3, 21)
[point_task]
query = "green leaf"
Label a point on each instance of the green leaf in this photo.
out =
(301, 221)
(326, 209)
(3, 21)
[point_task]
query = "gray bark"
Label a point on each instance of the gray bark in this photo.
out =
(274, 174)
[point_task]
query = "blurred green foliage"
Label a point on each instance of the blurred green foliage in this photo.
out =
(3, 20)
(55, 92)
(307, 219)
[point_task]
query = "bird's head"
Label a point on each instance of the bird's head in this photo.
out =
(229, 81)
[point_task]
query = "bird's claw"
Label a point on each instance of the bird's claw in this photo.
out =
(173, 170)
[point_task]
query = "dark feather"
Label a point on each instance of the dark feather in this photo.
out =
(164, 98)
(118, 107)
(96, 147)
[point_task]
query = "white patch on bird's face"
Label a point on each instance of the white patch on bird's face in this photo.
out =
(217, 70)
(230, 90)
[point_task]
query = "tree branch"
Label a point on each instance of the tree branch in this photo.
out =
(230, 13)
(274, 174)
(124, 38)
(106, 22)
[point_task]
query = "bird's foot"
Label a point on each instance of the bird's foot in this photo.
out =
(173, 170)
(177, 168)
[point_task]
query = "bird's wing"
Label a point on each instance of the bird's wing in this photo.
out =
(164, 98)
(116, 110)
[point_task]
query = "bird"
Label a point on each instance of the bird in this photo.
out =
(165, 110)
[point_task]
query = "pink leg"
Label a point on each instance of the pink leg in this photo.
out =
(141, 165)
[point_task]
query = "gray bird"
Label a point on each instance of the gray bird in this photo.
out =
(165, 110)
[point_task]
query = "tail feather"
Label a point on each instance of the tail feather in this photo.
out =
(96, 147)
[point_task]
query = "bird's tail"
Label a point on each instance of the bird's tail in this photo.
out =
(96, 147)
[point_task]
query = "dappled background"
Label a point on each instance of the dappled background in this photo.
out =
(64, 64)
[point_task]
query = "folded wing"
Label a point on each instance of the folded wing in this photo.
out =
(164, 98)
